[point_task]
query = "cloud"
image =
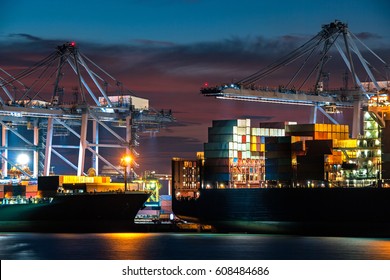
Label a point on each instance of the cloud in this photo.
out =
(368, 35)
(160, 70)
(159, 66)
(25, 36)
(148, 42)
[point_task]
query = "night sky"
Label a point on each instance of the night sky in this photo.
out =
(165, 50)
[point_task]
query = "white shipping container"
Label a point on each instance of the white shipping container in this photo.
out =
(241, 130)
(241, 122)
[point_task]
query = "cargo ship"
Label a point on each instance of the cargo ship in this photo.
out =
(288, 178)
(70, 207)
(310, 211)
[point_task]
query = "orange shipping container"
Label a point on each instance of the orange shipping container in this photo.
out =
(32, 188)
(31, 194)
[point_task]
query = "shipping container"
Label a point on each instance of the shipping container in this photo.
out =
(310, 167)
(277, 147)
(220, 130)
(241, 130)
(319, 147)
(224, 123)
(218, 169)
(216, 146)
(279, 125)
(277, 154)
(222, 138)
(217, 154)
(217, 177)
(255, 131)
(243, 122)
(218, 162)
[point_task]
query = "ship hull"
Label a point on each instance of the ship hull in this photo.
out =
(315, 211)
(99, 212)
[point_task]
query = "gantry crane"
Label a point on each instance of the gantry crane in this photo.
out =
(84, 115)
(312, 57)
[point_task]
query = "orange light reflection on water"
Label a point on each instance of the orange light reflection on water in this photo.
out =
(121, 246)
(380, 248)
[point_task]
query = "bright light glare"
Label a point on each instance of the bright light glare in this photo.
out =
(22, 159)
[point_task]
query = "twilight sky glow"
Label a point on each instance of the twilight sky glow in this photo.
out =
(164, 50)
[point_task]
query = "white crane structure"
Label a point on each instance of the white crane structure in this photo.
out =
(314, 55)
(81, 117)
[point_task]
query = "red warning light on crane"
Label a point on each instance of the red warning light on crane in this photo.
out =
(72, 44)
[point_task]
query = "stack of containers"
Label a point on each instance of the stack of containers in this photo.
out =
(233, 153)
(319, 131)
(337, 132)
(31, 188)
(278, 158)
(221, 147)
(311, 166)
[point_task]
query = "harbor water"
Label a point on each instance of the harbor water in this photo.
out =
(188, 246)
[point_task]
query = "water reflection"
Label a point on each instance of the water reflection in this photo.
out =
(172, 246)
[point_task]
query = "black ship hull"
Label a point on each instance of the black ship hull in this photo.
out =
(308, 211)
(89, 212)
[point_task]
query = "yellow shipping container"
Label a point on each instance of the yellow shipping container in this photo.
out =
(71, 179)
(295, 139)
(253, 139)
